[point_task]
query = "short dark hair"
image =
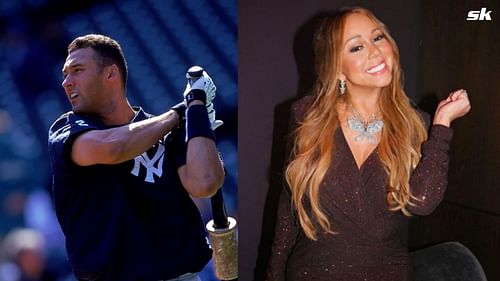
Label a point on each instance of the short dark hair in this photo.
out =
(107, 49)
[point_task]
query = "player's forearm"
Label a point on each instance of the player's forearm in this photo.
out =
(204, 174)
(117, 145)
(138, 137)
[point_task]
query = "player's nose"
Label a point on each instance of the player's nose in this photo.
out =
(67, 82)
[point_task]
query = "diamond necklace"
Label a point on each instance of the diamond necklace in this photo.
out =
(366, 129)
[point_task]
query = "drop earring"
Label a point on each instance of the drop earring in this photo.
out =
(342, 87)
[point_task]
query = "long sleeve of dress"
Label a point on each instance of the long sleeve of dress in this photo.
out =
(285, 236)
(430, 178)
(287, 225)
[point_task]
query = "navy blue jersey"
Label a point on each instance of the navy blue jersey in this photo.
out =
(130, 221)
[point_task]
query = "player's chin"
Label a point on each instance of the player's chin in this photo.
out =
(76, 109)
(79, 109)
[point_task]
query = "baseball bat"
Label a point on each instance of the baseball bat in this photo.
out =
(221, 229)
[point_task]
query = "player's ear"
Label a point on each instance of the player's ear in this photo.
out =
(112, 72)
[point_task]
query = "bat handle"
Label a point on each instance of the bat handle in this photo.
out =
(219, 213)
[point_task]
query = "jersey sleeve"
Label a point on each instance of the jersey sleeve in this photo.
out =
(62, 134)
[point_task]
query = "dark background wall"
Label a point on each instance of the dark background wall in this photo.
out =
(464, 54)
(274, 69)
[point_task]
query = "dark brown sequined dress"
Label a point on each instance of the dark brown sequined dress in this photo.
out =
(366, 245)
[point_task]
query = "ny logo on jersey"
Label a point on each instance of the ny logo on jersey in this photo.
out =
(149, 164)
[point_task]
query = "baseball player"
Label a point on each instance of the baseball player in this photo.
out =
(122, 178)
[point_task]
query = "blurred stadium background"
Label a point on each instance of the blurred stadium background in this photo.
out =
(160, 38)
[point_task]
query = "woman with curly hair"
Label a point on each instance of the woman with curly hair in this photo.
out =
(362, 160)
